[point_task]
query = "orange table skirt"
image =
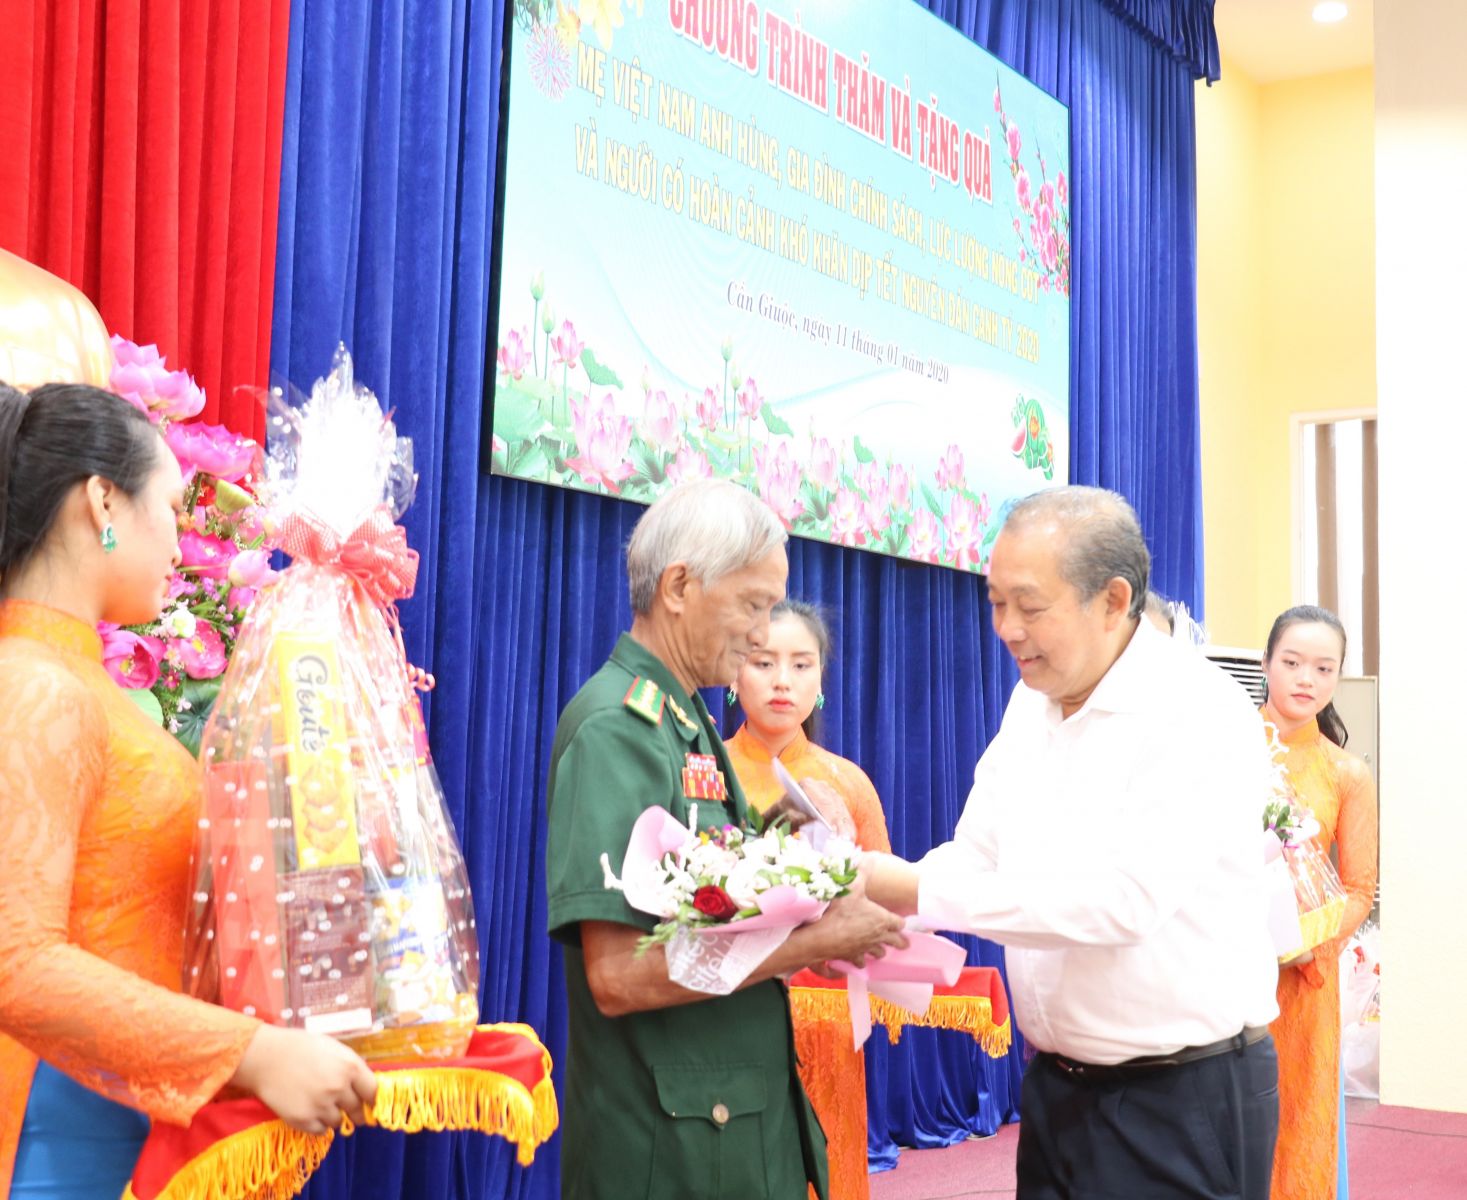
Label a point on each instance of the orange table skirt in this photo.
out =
(976, 1004)
(239, 1149)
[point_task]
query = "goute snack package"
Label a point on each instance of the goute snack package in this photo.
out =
(329, 888)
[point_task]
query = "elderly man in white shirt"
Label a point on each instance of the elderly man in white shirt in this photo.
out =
(1111, 842)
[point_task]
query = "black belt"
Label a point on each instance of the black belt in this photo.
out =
(1098, 1073)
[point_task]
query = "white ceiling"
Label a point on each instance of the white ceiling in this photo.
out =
(1278, 39)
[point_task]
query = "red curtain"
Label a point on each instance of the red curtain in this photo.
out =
(140, 161)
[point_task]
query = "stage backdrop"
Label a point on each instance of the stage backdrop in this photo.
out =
(385, 219)
(821, 249)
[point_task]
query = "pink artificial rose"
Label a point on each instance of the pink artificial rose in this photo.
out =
(778, 477)
(1022, 190)
(689, 464)
(211, 449)
(922, 536)
(1015, 141)
(603, 437)
(205, 556)
(950, 468)
(567, 346)
(901, 488)
(660, 423)
(251, 569)
(514, 356)
(178, 397)
(750, 402)
(142, 378)
(710, 409)
(132, 659)
(964, 532)
(1046, 194)
(846, 524)
(202, 656)
(1062, 188)
(824, 465)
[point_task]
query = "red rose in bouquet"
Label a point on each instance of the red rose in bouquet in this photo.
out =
(712, 901)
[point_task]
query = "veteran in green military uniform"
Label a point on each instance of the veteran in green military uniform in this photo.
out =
(670, 1092)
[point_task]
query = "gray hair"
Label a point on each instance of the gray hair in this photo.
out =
(1102, 538)
(712, 525)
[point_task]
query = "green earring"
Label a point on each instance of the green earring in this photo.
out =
(819, 699)
(109, 538)
(732, 696)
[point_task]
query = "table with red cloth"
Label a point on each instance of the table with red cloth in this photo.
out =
(239, 1150)
(976, 1004)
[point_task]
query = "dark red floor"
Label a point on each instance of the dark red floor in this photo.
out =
(1395, 1154)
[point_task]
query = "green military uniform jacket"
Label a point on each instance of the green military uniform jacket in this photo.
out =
(695, 1102)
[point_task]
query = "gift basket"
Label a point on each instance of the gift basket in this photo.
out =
(1291, 849)
(1360, 1012)
(329, 889)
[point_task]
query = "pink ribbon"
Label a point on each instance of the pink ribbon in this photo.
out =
(375, 554)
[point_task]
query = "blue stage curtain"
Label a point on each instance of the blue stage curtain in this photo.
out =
(386, 215)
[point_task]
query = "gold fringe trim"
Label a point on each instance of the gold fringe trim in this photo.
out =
(440, 1098)
(968, 1014)
(270, 1161)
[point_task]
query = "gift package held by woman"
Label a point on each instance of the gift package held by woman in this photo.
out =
(330, 893)
(779, 690)
(1305, 652)
(101, 806)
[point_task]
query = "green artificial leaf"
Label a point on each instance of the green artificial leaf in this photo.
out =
(774, 423)
(200, 694)
(929, 498)
(598, 373)
(863, 455)
(146, 701)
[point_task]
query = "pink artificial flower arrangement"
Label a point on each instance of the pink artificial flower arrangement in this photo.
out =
(172, 665)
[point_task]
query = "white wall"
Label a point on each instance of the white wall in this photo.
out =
(1421, 336)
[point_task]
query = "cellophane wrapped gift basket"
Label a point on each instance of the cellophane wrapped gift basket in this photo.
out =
(330, 892)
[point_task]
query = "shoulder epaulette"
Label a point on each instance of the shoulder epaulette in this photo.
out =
(645, 699)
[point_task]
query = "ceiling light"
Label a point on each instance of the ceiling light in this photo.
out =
(1330, 11)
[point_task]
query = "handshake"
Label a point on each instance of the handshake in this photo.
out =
(869, 919)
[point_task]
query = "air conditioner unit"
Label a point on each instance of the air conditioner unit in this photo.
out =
(1246, 666)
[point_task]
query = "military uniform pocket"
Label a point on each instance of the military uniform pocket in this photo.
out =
(710, 1140)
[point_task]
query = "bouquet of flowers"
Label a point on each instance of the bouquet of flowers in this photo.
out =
(171, 666)
(724, 877)
(330, 892)
(726, 897)
(1291, 849)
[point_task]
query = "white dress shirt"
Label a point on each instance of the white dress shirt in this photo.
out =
(1116, 854)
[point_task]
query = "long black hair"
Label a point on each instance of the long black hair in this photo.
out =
(54, 438)
(814, 621)
(1330, 723)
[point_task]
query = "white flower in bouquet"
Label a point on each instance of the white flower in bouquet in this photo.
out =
(717, 876)
(179, 623)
